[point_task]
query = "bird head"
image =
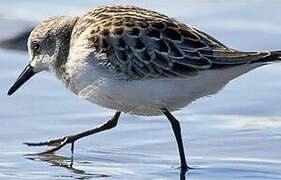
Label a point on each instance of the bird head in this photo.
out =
(48, 46)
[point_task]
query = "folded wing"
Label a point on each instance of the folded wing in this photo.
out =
(144, 44)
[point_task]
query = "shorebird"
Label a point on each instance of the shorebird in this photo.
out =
(135, 61)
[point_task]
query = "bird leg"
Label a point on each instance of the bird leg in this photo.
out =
(61, 142)
(177, 132)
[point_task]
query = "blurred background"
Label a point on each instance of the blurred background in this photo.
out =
(233, 134)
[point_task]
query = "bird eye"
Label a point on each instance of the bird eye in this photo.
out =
(36, 47)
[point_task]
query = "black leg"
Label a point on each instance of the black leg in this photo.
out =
(177, 132)
(182, 174)
(59, 143)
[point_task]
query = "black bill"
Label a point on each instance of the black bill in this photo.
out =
(23, 77)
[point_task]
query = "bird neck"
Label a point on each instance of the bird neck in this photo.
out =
(62, 49)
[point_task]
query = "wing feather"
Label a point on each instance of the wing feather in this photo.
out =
(144, 44)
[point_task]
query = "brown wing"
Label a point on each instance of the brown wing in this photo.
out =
(142, 43)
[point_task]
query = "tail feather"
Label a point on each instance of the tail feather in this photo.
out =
(227, 59)
(273, 56)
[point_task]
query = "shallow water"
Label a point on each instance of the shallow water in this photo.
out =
(232, 135)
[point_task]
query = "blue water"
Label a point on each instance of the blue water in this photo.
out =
(235, 134)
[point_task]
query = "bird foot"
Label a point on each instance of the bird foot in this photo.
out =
(58, 143)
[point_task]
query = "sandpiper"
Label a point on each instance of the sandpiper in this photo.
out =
(134, 61)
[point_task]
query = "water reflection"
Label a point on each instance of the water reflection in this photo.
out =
(182, 175)
(68, 164)
(64, 162)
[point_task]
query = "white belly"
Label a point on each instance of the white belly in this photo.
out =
(146, 97)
